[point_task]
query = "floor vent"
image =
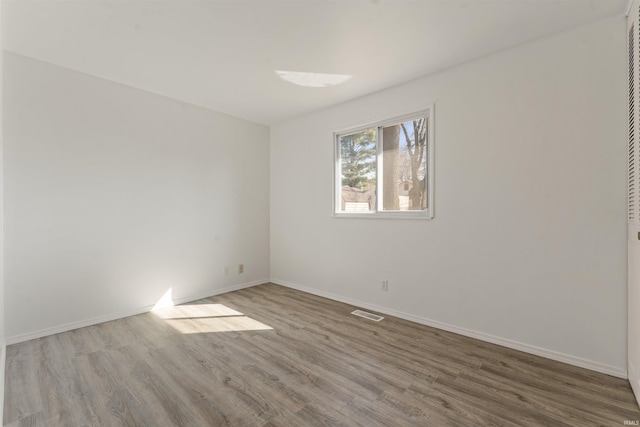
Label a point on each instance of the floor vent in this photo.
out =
(366, 315)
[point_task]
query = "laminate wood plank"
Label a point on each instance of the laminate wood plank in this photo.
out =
(324, 377)
(263, 394)
(317, 386)
(608, 410)
(111, 335)
(255, 383)
(314, 415)
(413, 364)
(568, 379)
(102, 391)
(80, 341)
(56, 395)
(205, 383)
(198, 397)
(371, 333)
(382, 413)
(510, 390)
(323, 416)
(148, 331)
(272, 356)
(22, 367)
(396, 359)
(112, 404)
(149, 386)
(483, 398)
(350, 368)
(445, 410)
(34, 420)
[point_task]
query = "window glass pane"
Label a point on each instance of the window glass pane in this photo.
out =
(358, 152)
(404, 164)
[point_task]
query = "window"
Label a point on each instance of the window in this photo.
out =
(386, 169)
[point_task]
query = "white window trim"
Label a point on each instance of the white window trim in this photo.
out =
(429, 112)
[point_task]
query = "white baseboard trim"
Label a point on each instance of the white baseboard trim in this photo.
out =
(114, 316)
(515, 345)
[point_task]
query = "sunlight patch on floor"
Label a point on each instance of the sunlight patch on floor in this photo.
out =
(189, 311)
(206, 318)
(217, 324)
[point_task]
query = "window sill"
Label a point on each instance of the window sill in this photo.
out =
(385, 215)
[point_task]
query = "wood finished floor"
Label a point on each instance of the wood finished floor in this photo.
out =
(317, 366)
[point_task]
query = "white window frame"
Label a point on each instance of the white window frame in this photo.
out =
(379, 213)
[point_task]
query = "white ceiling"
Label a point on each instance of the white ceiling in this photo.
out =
(224, 55)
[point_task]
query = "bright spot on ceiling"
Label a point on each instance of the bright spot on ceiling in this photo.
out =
(313, 79)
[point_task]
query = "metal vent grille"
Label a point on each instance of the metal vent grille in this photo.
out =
(366, 315)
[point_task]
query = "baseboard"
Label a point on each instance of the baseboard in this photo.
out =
(538, 351)
(114, 316)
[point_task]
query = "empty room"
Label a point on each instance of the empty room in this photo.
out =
(320, 213)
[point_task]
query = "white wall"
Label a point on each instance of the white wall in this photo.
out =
(527, 247)
(3, 343)
(114, 195)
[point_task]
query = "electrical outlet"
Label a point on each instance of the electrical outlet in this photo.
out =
(226, 270)
(240, 268)
(385, 285)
